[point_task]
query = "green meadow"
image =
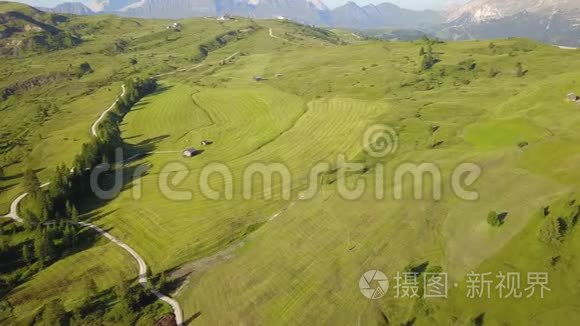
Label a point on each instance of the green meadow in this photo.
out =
(293, 261)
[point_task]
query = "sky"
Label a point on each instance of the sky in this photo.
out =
(410, 4)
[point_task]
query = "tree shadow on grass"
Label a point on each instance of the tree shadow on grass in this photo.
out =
(132, 137)
(149, 144)
(192, 318)
(112, 183)
(502, 217)
(94, 215)
(20, 175)
(478, 320)
(8, 187)
(109, 181)
(130, 174)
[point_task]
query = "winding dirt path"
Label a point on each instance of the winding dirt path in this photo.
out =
(178, 70)
(143, 279)
(271, 32)
(14, 207)
(102, 116)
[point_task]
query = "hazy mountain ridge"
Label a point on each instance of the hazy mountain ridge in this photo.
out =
(373, 16)
(304, 11)
(74, 8)
(552, 21)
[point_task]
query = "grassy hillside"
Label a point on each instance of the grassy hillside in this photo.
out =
(500, 105)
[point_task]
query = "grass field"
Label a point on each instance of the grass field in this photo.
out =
(277, 261)
(105, 264)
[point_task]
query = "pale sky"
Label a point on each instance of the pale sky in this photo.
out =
(410, 4)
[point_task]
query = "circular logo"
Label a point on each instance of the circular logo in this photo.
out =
(373, 284)
(380, 140)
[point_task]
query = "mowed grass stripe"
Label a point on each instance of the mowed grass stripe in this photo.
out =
(183, 230)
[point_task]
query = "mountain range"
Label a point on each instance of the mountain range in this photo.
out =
(313, 12)
(553, 21)
(74, 8)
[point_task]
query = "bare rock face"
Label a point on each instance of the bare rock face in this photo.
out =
(486, 10)
(551, 21)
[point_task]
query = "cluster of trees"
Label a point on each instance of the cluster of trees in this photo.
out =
(52, 242)
(45, 209)
(211, 45)
(559, 224)
(494, 219)
(118, 46)
(120, 306)
(83, 69)
(219, 41)
(44, 244)
(428, 60)
(52, 41)
(70, 185)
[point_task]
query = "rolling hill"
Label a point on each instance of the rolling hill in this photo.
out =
(24, 29)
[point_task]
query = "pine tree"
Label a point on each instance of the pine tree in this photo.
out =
(74, 214)
(122, 290)
(69, 209)
(39, 249)
(422, 51)
(493, 219)
(31, 218)
(69, 237)
(161, 282)
(45, 216)
(424, 63)
(4, 246)
(27, 254)
(91, 287)
(519, 70)
(31, 182)
(428, 60)
(53, 313)
(44, 249)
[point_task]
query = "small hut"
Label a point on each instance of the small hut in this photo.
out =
(225, 17)
(190, 152)
(572, 97)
